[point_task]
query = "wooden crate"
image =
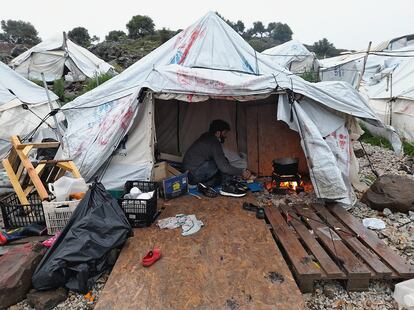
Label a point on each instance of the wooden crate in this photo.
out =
(328, 243)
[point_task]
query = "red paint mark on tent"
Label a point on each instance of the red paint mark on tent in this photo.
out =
(183, 77)
(126, 118)
(193, 38)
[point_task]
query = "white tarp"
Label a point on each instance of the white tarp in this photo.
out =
(51, 56)
(206, 60)
(294, 56)
(14, 120)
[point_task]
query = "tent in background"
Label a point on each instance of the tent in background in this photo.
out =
(167, 99)
(391, 92)
(59, 57)
(15, 90)
(294, 56)
(387, 81)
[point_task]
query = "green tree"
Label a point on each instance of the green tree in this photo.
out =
(280, 32)
(80, 35)
(140, 26)
(258, 28)
(323, 48)
(270, 27)
(115, 36)
(239, 27)
(17, 31)
(165, 34)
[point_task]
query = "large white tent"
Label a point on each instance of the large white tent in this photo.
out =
(203, 73)
(387, 81)
(15, 91)
(59, 57)
(294, 56)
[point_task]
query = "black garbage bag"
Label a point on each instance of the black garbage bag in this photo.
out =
(84, 249)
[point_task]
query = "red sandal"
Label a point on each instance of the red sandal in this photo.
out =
(151, 257)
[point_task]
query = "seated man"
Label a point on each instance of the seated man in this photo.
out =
(205, 158)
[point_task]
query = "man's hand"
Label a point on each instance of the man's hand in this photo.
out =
(246, 174)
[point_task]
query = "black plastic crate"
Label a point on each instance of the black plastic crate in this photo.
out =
(140, 212)
(17, 215)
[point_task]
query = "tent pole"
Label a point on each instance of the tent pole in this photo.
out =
(51, 109)
(391, 99)
(363, 66)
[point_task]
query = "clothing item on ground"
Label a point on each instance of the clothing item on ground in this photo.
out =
(189, 223)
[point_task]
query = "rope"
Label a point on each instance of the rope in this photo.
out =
(369, 161)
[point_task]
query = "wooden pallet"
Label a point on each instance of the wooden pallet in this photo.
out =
(328, 243)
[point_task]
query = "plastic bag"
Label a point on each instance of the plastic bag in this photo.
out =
(84, 249)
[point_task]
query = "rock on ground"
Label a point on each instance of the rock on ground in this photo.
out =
(16, 270)
(46, 300)
(394, 192)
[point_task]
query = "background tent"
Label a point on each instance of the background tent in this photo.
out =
(59, 57)
(293, 56)
(205, 71)
(391, 92)
(387, 81)
(15, 90)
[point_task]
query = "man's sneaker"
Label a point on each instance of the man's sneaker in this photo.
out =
(206, 190)
(232, 190)
(240, 185)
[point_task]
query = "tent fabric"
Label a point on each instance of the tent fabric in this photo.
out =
(15, 90)
(294, 56)
(206, 60)
(51, 56)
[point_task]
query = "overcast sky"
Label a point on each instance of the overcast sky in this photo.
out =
(348, 24)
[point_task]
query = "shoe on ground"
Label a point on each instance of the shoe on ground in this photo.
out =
(151, 257)
(232, 190)
(207, 191)
(240, 185)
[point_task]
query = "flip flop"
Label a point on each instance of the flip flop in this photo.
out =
(151, 257)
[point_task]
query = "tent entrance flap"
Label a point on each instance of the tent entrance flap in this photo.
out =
(255, 132)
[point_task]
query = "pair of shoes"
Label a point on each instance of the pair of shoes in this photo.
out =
(151, 257)
(207, 191)
(240, 185)
(232, 190)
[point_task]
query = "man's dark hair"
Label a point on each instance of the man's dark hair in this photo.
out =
(218, 125)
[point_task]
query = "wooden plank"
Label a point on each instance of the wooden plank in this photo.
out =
(15, 182)
(33, 175)
(28, 190)
(352, 265)
(327, 264)
(371, 239)
(42, 145)
(26, 150)
(39, 168)
(364, 253)
(231, 263)
(300, 259)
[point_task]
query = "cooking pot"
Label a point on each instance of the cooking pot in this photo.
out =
(286, 165)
